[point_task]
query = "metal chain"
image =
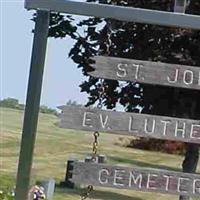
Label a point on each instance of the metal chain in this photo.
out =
(87, 193)
(95, 145)
(101, 94)
(90, 188)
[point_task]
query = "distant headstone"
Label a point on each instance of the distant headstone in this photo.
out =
(102, 158)
(49, 187)
(88, 159)
(67, 182)
(99, 159)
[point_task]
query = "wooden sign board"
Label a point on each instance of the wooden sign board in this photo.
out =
(129, 14)
(141, 125)
(141, 179)
(147, 72)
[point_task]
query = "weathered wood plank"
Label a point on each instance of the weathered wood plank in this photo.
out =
(141, 179)
(117, 12)
(141, 125)
(147, 72)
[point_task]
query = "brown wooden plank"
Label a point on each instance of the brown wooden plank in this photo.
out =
(134, 178)
(147, 72)
(140, 125)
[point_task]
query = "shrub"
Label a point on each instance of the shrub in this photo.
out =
(14, 103)
(6, 195)
(47, 110)
(10, 103)
(165, 146)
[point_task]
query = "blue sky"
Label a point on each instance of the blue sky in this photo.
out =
(61, 78)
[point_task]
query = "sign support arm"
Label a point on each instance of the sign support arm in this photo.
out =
(32, 104)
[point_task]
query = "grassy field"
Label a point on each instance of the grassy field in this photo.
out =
(54, 146)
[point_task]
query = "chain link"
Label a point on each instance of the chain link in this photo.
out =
(95, 145)
(94, 151)
(101, 94)
(87, 193)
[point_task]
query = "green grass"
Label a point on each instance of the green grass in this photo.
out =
(54, 146)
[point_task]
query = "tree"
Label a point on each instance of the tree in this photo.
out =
(47, 110)
(11, 103)
(73, 103)
(142, 42)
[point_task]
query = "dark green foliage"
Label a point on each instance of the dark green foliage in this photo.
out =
(6, 182)
(6, 195)
(73, 103)
(47, 110)
(60, 26)
(14, 103)
(11, 103)
(170, 147)
(138, 41)
(6, 187)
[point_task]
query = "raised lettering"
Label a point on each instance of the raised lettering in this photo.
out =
(130, 128)
(182, 130)
(175, 77)
(195, 131)
(146, 126)
(103, 122)
(102, 176)
(122, 70)
(136, 180)
(199, 78)
(87, 120)
(118, 175)
(150, 181)
(165, 126)
(167, 181)
(180, 184)
(186, 80)
(137, 70)
(196, 186)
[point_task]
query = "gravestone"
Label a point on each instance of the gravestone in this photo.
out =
(89, 159)
(99, 159)
(67, 182)
(102, 158)
(49, 187)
